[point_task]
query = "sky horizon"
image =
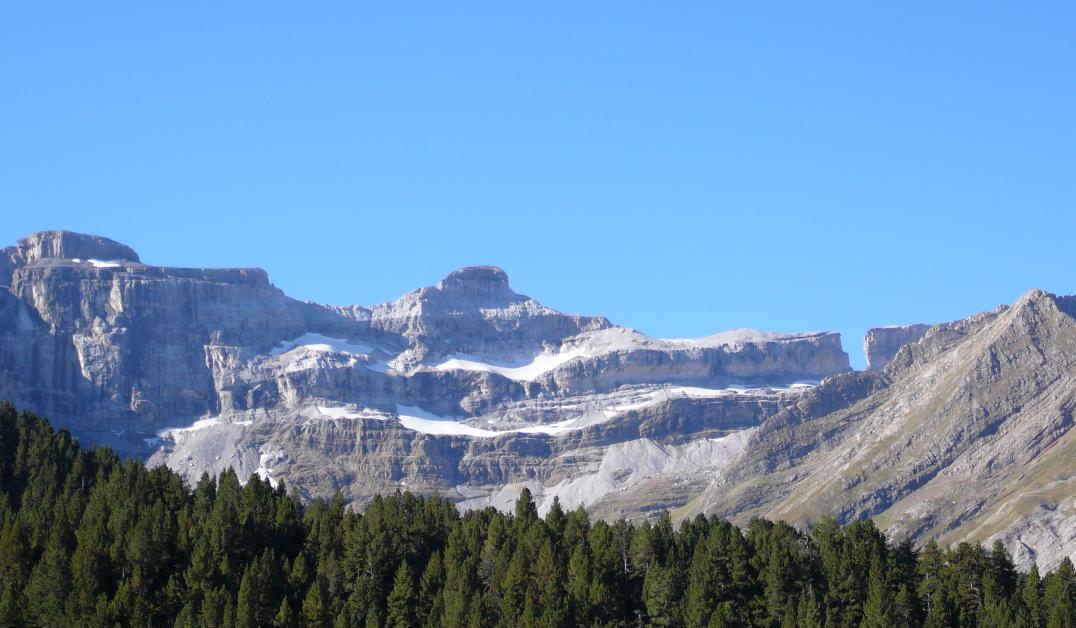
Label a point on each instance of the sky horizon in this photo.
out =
(681, 172)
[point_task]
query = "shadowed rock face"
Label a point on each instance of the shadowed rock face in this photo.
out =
(882, 343)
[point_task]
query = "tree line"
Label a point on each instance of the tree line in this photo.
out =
(89, 539)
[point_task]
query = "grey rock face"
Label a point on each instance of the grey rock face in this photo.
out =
(465, 387)
(882, 343)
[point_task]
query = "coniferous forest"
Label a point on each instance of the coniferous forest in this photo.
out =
(92, 540)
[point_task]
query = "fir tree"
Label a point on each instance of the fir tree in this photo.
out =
(401, 600)
(285, 617)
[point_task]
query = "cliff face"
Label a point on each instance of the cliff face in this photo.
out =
(965, 435)
(465, 387)
(882, 343)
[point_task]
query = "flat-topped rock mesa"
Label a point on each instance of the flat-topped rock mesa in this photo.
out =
(882, 343)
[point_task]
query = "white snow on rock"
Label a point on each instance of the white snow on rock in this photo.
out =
(523, 368)
(200, 424)
(104, 263)
(530, 366)
(594, 413)
(96, 263)
(419, 420)
(266, 460)
(323, 344)
(735, 337)
(349, 413)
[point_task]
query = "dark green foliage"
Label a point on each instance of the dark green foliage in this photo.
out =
(89, 540)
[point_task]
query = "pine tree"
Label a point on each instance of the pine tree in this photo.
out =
(373, 618)
(661, 596)
(549, 576)
(905, 607)
(401, 601)
(1031, 595)
(285, 617)
(525, 509)
(579, 585)
(556, 520)
(876, 609)
(1059, 596)
(430, 603)
(246, 613)
(807, 613)
(1003, 570)
(940, 613)
(10, 609)
(315, 606)
(46, 592)
(514, 590)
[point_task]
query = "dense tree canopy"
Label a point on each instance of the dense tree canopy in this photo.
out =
(91, 540)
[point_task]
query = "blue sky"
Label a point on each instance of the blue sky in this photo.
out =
(681, 169)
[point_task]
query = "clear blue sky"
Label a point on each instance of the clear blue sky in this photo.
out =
(681, 169)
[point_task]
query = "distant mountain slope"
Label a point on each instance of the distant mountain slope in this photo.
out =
(966, 435)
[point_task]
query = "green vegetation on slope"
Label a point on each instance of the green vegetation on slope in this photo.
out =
(90, 540)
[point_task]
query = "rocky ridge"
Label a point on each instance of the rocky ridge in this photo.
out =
(965, 435)
(465, 388)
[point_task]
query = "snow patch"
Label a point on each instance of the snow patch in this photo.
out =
(323, 344)
(265, 470)
(530, 366)
(104, 263)
(736, 337)
(350, 413)
(200, 424)
(419, 420)
(521, 368)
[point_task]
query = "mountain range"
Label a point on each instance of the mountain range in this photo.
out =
(956, 431)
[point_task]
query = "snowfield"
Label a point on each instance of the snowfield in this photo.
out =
(323, 344)
(525, 368)
(427, 423)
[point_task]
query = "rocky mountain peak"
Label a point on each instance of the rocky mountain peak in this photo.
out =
(1039, 299)
(476, 281)
(71, 245)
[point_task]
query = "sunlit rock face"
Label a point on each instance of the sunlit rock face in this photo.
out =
(882, 343)
(965, 435)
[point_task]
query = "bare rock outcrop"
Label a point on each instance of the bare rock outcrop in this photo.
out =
(882, 343)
